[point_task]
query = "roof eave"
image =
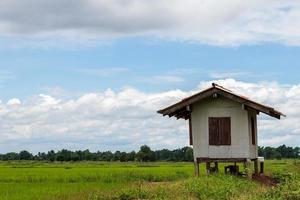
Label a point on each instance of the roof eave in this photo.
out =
(171, 110)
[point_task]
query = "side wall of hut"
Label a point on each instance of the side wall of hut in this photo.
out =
(220, 107)
(253, 148)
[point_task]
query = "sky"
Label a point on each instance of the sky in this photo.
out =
(91, 74)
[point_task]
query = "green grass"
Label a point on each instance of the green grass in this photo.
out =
(102, 180)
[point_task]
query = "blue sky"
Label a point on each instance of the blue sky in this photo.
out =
(137, 61)
(91, 74)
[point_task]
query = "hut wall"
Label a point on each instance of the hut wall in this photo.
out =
(253, 149)
(220, 107)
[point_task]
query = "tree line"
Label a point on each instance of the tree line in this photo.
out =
(145, 154)
(280, 152)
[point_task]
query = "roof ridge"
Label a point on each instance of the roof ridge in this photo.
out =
(215, 85)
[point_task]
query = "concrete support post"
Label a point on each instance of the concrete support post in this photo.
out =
(256, 166)
(207, 168)
(262, 167)
(261, 163)
(216, 167)
(196, 168)
(248, 169)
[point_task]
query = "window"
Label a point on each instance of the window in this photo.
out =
(219, 130)
(253, 130)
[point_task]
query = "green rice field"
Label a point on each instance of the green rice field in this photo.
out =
(114, 180)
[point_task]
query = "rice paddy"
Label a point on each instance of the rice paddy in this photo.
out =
(115, 180)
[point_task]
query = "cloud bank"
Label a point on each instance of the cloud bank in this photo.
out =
(229, 22)
(127, 119)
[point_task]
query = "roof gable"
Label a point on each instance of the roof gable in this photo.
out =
(182, 109)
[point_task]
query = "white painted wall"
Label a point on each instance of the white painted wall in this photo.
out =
(253, 149)
(240, 131)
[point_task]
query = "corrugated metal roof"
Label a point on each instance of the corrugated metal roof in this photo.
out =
(179, 109)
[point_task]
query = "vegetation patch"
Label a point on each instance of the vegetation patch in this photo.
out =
(115, 181)
(220, 187)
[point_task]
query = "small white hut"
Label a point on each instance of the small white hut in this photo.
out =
(222, 126)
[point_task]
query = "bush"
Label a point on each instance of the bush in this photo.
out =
(218, 187)
(287, 189)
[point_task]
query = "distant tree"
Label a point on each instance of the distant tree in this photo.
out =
(123, 157)
(64, 155)
(261, 151)
(75, 156)
(287, 152)
(296, 153)
(107, 156)
(164, 155)
(145, 154)
(51, 156)
(117, 156)
(10, 156)
(87, 155)
(41, 156)
(188, 154)
(280, 152)
(130, 156)
(25, 155)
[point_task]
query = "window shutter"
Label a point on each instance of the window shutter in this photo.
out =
(213, 131)
(219, 131)
(224, 131)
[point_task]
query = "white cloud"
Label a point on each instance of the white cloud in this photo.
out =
(125, 120)
(230, 22)
(13, 101)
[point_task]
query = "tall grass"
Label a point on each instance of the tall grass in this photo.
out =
(101, 180)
